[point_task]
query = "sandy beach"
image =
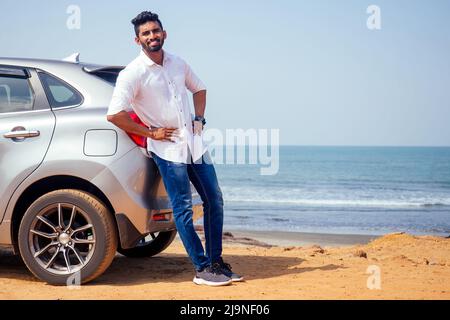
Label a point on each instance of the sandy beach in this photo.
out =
(276, 266)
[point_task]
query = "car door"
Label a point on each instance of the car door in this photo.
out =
(26, 128)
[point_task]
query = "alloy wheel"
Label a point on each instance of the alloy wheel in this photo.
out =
(62, 238)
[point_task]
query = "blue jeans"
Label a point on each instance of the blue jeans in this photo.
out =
(176, 177)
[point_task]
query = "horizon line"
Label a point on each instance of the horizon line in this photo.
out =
(338, 145)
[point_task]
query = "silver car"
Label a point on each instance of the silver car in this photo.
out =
(74, 189)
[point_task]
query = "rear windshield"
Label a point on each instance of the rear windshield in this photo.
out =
(109, 75)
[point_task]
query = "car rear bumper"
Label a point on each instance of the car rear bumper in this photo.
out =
(136, 192)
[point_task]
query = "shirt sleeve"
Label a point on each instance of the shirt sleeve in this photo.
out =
(193, 83)
(124, 92)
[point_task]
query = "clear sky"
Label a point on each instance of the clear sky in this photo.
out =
(309, 68)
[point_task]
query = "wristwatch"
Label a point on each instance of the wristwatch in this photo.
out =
(200, 118)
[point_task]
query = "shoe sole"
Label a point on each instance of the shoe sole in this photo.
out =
(210, 283)
(237, 279)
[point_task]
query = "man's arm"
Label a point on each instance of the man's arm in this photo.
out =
(196, 86)
(124, 122)
(200, 103)
(124, 92)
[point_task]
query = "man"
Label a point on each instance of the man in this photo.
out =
(154, 86)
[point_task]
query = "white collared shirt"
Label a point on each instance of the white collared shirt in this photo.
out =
(157, 94)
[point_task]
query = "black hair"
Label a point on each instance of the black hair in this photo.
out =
(144, 17)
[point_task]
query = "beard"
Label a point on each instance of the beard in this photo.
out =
(154, 48)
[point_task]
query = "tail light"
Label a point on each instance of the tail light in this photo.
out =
(161, 217)
(139, 140)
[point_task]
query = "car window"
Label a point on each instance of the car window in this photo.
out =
(108, 74)
(15, 94)
(59, 93)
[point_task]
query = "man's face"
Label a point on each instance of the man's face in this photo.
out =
(151, 37)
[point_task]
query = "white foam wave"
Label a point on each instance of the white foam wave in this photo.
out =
(345, 202)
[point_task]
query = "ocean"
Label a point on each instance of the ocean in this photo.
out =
(342, 190)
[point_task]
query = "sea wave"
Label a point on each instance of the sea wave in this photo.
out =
(345, 202)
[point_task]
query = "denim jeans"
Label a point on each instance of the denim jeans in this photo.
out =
(176, 177)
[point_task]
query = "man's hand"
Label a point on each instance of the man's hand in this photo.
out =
(163, 134)
(197, 127)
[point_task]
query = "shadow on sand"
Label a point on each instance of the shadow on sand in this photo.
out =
(170, 268)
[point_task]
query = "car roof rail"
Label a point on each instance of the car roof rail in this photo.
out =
(74, 58)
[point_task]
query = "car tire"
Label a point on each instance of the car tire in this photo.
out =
(151, 245)
(67, 237)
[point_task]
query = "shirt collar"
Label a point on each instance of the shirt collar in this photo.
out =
(150, 62)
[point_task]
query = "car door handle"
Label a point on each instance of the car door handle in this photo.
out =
(22, 134)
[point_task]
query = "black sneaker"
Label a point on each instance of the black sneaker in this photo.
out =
(211, 276)
(226, 270)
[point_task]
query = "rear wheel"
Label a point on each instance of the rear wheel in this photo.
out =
(151, 245)
(67, 234)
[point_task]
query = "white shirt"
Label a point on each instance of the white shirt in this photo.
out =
(157, 94)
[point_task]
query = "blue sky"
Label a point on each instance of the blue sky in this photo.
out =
(309, 68)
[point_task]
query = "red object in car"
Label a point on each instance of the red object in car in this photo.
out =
(139, 140)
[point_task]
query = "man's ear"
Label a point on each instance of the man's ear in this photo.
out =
(164, 34)
(138, 42)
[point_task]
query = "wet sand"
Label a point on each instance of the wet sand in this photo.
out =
(281, 238)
